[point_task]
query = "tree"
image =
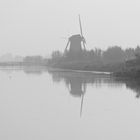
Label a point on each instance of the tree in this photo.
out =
(56, 55)
(113, 55)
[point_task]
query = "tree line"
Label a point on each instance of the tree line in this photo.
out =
(112, 55)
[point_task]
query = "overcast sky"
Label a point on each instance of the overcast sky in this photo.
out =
(30, 27)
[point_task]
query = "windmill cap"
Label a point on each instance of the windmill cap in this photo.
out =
(76, 37)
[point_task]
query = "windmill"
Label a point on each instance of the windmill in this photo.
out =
(76, 43)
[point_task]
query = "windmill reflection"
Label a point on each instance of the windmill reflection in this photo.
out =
(76, 82)
(77, 88)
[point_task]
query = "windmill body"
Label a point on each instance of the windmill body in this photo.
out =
(75, 43)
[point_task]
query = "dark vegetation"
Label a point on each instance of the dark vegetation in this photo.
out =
(114, 59)
(34, 60)
(130, 70)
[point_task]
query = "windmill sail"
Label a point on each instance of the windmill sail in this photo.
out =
(80, 26)
(67, 45)
(81, 31)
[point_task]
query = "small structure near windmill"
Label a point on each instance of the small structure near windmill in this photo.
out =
(76, 43)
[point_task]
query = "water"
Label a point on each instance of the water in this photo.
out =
(40, 105)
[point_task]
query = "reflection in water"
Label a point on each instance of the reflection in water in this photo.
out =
(77, 88)
(135, 86)
(132, 84)
(38, 70)
(76, 82)
(34, 70)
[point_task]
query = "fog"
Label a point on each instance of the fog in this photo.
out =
(40, 26)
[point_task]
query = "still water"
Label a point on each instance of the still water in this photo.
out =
(48, 105)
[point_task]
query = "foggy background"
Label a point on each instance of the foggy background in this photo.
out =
(31, 27)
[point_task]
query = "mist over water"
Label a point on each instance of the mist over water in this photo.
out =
(40, 104)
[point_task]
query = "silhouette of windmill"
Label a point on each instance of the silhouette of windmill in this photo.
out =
(76, 43)
(77, 88)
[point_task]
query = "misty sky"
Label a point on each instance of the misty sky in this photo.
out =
(30, 27)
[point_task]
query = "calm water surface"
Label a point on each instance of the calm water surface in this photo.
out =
(41, 105)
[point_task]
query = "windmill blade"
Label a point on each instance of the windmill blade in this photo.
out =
(84, 44)
(81, 31)
(67, 45)
(80, 26)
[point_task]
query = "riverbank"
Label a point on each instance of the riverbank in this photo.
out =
(123, 70)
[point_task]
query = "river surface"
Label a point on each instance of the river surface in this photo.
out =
(49, 105)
